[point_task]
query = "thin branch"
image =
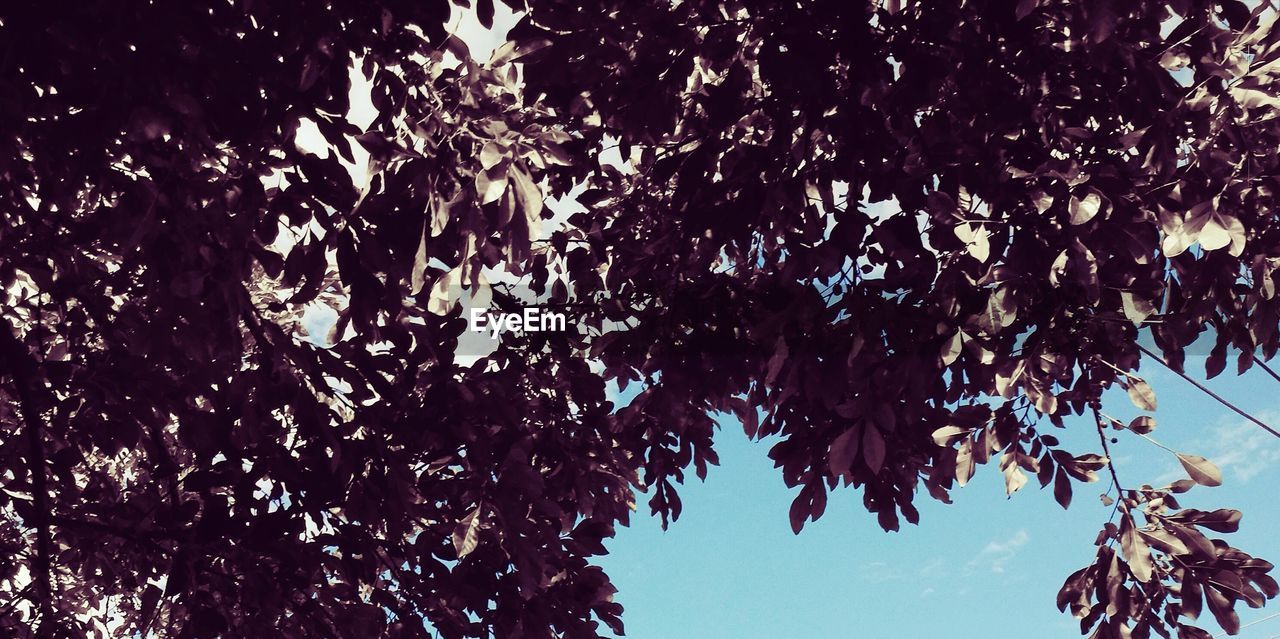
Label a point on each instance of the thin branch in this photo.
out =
(1106, 450)
(1111, 466)
(1210, 393)
(1152, 440)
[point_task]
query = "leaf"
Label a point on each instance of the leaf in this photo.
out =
(1001, 311)
(1203, 471)
(484, 13)
(1042, 201)
(510, 51)
(418, 275)
(800, 509)
(1062, 489)
(844, 449)
(1136, 309)
(1014, 479)
(1025, 7)
(440, 213)
(1164, 542)
(1237, 232)
(554, 153)
(1192, 602)
(948, 435)
(466, 535)
(1216, 362)
(491, 183)
(1084, 209)
(1214, 235)
(1175, 60)
(1174, 245)
(1253, 98)
(1181, 232)
(1102, 20)
(1223, 520)
(444, 292)
(976, 240)
(530, 198)
(951, 349)
(1058, 270)
(873, 449)
(146, 612)
(1141, 395)
(1198, 544)
(1136, 551)
(491, 154)
(1045, 468)
(780, 354)
(964, 462)
(1223, 610)
(1142, 425)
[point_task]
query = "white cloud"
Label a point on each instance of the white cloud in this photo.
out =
(996, 555)
(935, 568)
(879, 572)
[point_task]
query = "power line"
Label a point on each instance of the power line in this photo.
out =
(1264, 367)
(1210, 393)
(1253, 623)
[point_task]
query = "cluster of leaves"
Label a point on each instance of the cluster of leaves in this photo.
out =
(176, 460)
(1054, 177)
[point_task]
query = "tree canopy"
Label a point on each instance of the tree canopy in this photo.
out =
(899, 239)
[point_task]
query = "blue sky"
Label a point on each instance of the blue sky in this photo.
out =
(730, 567)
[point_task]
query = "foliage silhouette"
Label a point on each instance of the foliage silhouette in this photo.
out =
(178, 461)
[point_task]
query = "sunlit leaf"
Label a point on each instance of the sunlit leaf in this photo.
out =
(1141, 395)
(1084, 208)
(1142, 424)
(491, 184)
(1203, 471)
(466, 535)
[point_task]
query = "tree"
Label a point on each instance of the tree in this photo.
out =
(1058, 178)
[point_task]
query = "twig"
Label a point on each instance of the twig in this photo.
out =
(1106, 450)
(1111, 466)
(1152, 440)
